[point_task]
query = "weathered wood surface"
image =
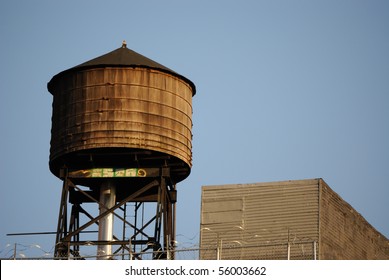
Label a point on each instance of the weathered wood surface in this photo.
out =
(122, 107)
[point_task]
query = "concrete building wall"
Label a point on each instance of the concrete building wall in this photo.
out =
(279, 217)
(300, 219)
(344, 233)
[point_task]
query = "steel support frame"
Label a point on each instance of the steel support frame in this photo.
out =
(68, 236)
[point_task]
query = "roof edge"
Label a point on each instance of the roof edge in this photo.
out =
(121, 57)
(81, 68)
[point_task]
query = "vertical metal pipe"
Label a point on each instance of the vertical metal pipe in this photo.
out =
(288, 251)
(15, 251)
(124, 228)
(174, 227)
(314, 250)
(130, 248)
(288, 244)
(107, 201)
(168, 256)
(218, 250)
(68, 250)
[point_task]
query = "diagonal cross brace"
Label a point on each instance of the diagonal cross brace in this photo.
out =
(102, 205)
(130, 197)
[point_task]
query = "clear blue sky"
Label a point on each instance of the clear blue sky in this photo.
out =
(285, 90)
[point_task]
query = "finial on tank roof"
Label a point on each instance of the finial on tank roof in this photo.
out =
(124, 44)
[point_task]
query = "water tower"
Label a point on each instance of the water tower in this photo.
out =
(121, 137)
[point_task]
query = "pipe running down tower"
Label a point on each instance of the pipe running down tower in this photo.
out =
(121, 138)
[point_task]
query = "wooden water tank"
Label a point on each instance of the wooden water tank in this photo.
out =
(121, 110)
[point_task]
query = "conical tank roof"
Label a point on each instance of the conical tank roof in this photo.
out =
(121, 57)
